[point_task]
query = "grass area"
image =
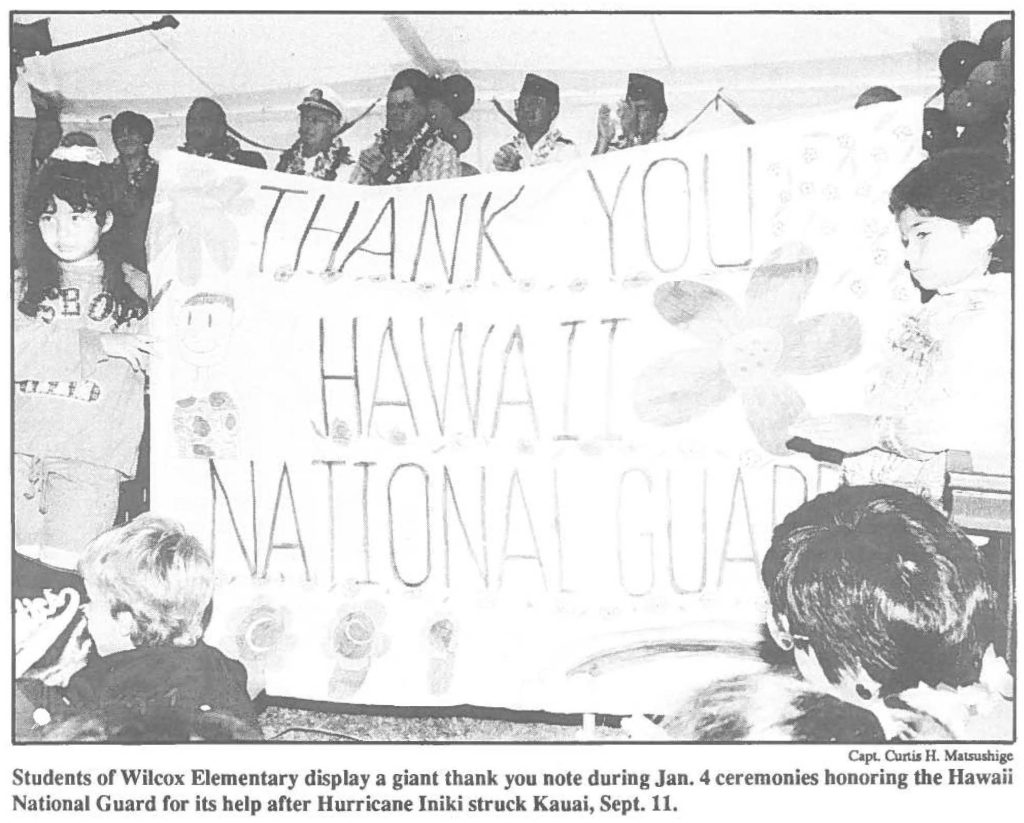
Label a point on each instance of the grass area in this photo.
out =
(290, 721)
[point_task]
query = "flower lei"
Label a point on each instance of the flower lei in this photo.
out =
(914, 341)
(327, 161)
(135, 178)
(542, 149)
(226, 151)
(624, 142)
(898, 380)
(398, 167)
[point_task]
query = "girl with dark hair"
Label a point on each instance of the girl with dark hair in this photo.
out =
(79, 357)
(74, 178)
(944, 384)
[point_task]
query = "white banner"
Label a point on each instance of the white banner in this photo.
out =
(518, 439)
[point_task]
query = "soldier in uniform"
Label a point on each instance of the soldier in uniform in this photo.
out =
(537, 142)
(641, 114)
(319, 151)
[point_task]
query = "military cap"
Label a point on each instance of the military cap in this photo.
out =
(316, 100)
(642, 87)
(536, 86)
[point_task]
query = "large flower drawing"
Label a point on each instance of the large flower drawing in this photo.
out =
(354, 638)
(196, 216)
(749, 350)
(262, 635)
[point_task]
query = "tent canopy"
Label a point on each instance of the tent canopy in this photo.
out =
(228, 54)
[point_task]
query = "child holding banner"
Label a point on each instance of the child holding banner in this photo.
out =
(945, 382)
(885, 604)
(79, 357)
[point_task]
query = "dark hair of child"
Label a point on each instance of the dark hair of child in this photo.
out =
(85, 188)
(770, 706)
(134, 122)
(964, 186)
(875, 577)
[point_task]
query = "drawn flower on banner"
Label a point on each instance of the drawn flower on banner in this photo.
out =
(356, 633)
(441, 640)
(355, 636)
(341, 432)
(750, 351)
(262, 635)
(196, 217)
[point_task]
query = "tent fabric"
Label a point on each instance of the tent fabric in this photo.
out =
(224, 54)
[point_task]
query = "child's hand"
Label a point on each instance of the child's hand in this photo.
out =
(38, 622)
(627, 117)
(72, 658)
(371, 159)
(605, 126)
(135, 349)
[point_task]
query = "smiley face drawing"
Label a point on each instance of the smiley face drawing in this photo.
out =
(204, 328)
(206, 423)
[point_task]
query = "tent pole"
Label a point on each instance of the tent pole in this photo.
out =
(165, 22)
(696, 117)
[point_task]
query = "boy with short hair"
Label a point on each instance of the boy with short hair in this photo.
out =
(150, 584)
(885, 602)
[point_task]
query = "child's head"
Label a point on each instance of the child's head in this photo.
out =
(67, 191)
(70, 206)
(955, 214)
(770, 706)
(205, 124)
(204, 326)
(149, 584)
(132, 133)
(876, 591)
(73, 219)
